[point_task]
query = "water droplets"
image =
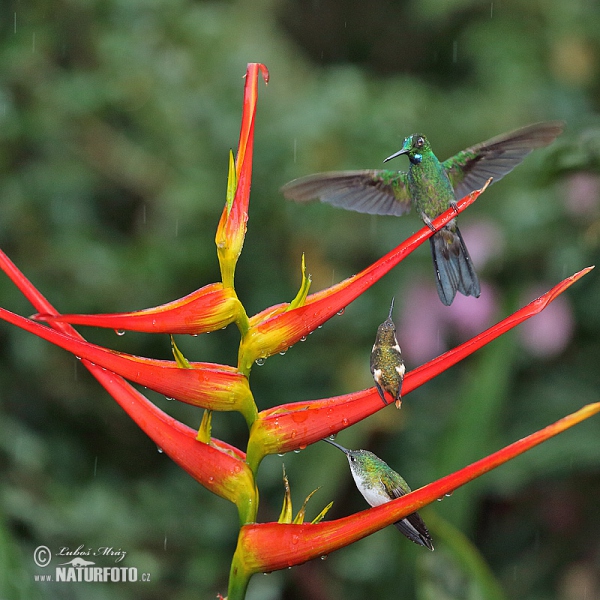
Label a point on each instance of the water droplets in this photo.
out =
(303, 338)
(260, 361)
(119, 332)
(445, 496)
(341, 311)
(160, 450)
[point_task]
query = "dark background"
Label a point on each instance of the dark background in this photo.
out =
(116, 118)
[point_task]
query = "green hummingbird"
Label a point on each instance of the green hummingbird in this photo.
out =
(387, 366)
(378, 483)
(432, 186)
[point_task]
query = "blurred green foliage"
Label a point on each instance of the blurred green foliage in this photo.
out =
(116, 118)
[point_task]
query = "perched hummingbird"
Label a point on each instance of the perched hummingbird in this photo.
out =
(433, 187)
(378, 483)
(387, 366)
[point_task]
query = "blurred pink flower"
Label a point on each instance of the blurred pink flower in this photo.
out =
(427, 327)
(549, 334)
(583, 194)
(485, 241)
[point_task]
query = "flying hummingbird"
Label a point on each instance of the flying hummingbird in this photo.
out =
(387, 366)
(378, 484)
(432, 186)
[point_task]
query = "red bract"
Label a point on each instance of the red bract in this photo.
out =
(219, 466)
(232, 226)
(211, 386)
(207, 309)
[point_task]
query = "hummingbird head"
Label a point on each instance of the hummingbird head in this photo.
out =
(414, 146)
(360, 460)
(387, 330)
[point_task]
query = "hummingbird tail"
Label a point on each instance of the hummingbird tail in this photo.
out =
(453, 266)
(414, 529)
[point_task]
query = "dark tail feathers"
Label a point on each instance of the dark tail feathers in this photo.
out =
(453, 266)
(414, 529)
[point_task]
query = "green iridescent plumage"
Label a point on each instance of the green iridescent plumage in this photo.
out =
(378, 483)
(432, 186)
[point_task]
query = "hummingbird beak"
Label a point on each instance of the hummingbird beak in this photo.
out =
(406, 147)
(403, 150)
(391, 308)
(344, 450)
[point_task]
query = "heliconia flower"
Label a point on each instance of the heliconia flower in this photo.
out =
(231, 230)
(218, 466)
(296, 425)
(277, 328)
(208, 385)
(207, 309)
(265, 547)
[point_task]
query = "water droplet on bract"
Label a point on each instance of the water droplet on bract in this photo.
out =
(195, 334)
(344, 421)
(303, 338)
(332, 436)
(169, 399)
(341, 311)
(297, 451)
(448, 494)
(119, 332)
(281, 454)
(260, 361)
(319, 326)
(160, 450)
(211, 479)
(283, 352)
(440, 499)
(324, 557)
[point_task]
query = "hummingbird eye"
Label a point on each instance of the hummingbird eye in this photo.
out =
(420, 142)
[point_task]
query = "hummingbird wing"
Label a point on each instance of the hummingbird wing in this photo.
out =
(470, 169)
(374, 192)
(411, 526)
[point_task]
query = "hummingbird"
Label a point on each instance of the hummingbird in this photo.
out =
(433, 187)
(387, 366)
(378, 483)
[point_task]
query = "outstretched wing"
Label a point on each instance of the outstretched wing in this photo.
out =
(470, 169)
(374, 192)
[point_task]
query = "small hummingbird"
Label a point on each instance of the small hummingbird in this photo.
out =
(432, 186)
(378, 484)
(387, 366)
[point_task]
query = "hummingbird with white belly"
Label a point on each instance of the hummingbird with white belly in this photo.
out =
(433, 187)
(379, 483)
